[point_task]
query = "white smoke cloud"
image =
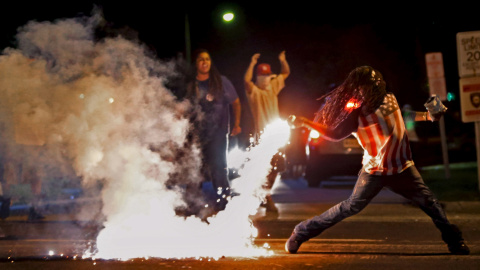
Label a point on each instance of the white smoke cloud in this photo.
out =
(101, 109)
(100, 104)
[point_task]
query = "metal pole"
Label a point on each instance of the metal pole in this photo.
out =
(444, 148)
(477, 139)
(187, 39)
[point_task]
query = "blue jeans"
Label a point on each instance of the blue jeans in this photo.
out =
(408, 184)
(215, 160)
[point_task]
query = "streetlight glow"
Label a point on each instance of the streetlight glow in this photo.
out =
(228, 16)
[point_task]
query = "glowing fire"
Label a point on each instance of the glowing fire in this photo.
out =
(148, 227)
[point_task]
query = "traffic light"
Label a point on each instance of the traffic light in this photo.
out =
(451, 96)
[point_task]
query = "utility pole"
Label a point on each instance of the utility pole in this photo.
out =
(187, 40)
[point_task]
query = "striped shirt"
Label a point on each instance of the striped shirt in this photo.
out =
(384, 140)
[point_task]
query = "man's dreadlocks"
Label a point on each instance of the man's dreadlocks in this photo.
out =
(364, 88)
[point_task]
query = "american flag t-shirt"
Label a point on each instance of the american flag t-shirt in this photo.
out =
(384, 140)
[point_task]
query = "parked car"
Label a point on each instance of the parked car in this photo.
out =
(296, 154)
(326, 158)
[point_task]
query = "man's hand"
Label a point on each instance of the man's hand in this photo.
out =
(436, 116)
(235, 131)
(295, 122)
(435, 108)
(255, 59)
(282, 57)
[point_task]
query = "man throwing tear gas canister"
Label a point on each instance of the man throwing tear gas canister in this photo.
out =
(361, 106)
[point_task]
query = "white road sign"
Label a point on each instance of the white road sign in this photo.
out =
(436, 74)
(468, 52)
(438, 87)
(434, 63)
(470, 99)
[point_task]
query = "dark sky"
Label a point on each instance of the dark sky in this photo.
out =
(322, 43)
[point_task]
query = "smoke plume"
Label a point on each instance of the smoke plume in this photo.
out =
(97, 109)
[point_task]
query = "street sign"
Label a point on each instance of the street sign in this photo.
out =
(434, 63)
(470, 99)
(436, 75)
(468, 52)
(437, 87)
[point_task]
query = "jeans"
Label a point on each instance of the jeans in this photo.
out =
(408, 184)
(215, 161)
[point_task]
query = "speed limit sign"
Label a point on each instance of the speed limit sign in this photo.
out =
(468, 50)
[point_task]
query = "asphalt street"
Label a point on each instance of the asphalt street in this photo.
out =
(389, 234)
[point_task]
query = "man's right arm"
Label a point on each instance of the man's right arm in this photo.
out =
(342, 131)
(249, 74)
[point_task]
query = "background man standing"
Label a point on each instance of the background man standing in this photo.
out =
(263, 99)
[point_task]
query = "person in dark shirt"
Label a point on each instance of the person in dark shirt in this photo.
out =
(212, 94)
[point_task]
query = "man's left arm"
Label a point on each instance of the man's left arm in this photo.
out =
(278, 82)
(284, 67)
(237, 112)
(423, 116)
(234, 101)
(435, 110)
(416, 116)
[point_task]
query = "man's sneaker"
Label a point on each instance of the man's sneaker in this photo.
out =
(453, 237)
(459, 248)
(271, 207)
(269, 204)
(292, 245)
